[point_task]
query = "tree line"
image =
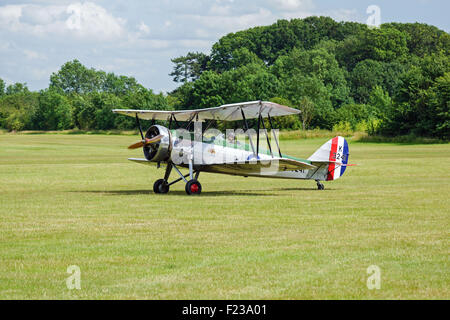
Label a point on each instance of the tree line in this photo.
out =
(392, 80)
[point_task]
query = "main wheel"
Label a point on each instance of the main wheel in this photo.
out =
(193, 187)
(160, 186)
(320, 186)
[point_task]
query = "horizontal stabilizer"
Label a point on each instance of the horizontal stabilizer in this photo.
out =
(334, 162)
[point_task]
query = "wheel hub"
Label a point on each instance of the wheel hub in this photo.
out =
(194, 188)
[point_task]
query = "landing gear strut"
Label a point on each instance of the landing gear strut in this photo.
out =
(320, 186)
(193, 186)
(162, 185)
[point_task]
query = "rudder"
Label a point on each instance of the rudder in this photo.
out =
(334, 153)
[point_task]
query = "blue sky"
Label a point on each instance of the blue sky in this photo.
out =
(138, 38)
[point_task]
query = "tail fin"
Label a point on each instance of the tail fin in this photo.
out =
(334, 154)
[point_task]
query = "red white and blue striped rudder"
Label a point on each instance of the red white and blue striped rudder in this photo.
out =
(333, 153)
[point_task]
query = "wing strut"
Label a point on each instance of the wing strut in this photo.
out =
(274, 136)
(248, 132)
(139, 126)
(190, 121)
(178, 125)
(267, 137)
(257, 133)
(170, 121)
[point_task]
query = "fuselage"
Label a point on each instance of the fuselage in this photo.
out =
(211, 154)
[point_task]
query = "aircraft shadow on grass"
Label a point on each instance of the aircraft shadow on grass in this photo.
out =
(205, 193)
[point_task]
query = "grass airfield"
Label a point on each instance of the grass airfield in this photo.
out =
(75, 200)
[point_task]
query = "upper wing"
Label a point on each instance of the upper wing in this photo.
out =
(226, 112)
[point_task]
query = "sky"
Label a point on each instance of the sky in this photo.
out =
(138, 38)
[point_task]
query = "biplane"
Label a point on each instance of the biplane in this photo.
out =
(187, 147)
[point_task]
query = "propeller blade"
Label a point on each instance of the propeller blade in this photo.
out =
(136, 145)
(145, 142)
(154, 139)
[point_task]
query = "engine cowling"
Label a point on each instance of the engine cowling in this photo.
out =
(161, 150)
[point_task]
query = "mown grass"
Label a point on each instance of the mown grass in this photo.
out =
(76, 200)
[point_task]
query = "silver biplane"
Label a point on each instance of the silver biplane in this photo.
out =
(198, 152)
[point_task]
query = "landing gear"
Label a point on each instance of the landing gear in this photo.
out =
(161, 186)
(320, 186)
(193, 187)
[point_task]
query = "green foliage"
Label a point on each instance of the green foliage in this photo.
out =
(384, 44)
(298, 87)
(17, 110)
(269, 42)
(54, 111)
(2, 87)
(391, 80)
(207, 90)
(289, 122)
(243, 56)
(16, 88)
(423, 39)
(73, 77)
(316, 62)
(364, 78)
(119, 85)
(381, 103)
(84, 112)
(439, 100)
(189, 67)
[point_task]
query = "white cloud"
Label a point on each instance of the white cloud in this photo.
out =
(219, 10)
(202, 33)
(344, 15)
(33, 55)
(38, 36)
(9, 16)
(294, 4)
(233, 23)
(195, 43)
(144, 28)
(88, 19)
(82, 20)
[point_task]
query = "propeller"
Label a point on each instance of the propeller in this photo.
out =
(145, 142)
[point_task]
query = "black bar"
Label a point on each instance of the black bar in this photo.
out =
(223, 309)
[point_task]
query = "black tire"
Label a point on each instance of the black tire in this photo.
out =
(193, 187)
(321, 187)
(160, 186)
